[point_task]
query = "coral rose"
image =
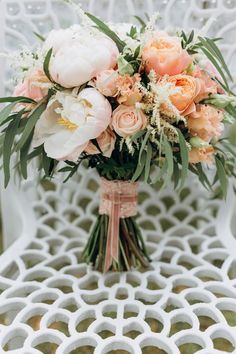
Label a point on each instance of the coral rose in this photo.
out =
(205, 122)
(106, 142)
(164, 54)
(106, 82)
(187, 90)
(201, 155)
(127, 120)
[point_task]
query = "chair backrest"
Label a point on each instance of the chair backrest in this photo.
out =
(20, 18)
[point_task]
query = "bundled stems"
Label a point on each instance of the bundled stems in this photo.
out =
(132, 250)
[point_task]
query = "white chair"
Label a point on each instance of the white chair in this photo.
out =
(51, 302)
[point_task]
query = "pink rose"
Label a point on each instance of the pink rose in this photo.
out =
(127, 120)
(207, 85)
(164, 54)
(30, 86)
(106, 82)
(106, 142)
(205, 122)
(201, 155)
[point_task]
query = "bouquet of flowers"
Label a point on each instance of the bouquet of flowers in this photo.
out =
(133, 102)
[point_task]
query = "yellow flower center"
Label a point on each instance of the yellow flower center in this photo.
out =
(67, 123)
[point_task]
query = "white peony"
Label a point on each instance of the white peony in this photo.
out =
(79, 55)
(58, 38)
(71, 121)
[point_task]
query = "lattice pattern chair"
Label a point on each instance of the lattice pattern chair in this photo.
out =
(50, 301)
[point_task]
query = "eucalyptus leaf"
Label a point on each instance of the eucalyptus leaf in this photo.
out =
(222, 176)
(47, 63)
(7, 146)
(137, 135)
(31, 122)
(107, 31)
(21, 99)
(140, 167)
(6, 111)
(148, 162)
(23, 156)
(184, 157)
(169, 158)
(39, 36)
(144, 142)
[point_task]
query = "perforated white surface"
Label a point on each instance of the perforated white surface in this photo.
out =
(188, 296)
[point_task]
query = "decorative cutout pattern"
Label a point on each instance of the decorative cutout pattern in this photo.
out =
(51, 302)
(187, 299)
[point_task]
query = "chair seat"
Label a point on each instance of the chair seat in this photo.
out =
(51, 300)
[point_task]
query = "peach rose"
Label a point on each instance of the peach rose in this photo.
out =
(188, 89)
(106, 82)
(30, 86)
(208, 86)
(106, 142)
(164, 54)
(201, 155)
(127, 120)
(128, 89)
(205, 122)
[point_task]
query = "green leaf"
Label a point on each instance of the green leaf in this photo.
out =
(209, 47)
(16, 99)
(191, 36)
(65, 169)
(95, 143)
(161, 173)
(222, 176)
(4, 114)
(148, 162)
(107, 31)
(137, 135)
(46, 64)
(137, 52)
(7, 146)
(144, 142)
(170, 160)
(36, 152)
(39, 36)
(140, 167)
(203, 177)
(219, 55)
(71, 174)
(31, 121)
(217, 66)
(7, 120)
(184, 157)
(141, 21)
(23, 156)
(176, 174)
(46, 164)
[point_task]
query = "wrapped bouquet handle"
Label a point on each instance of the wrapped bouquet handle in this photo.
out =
(118, 200)
(116, 242)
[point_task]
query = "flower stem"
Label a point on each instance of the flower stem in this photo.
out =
(132, 250)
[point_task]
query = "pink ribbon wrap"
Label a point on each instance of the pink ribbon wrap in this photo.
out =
(118, 200)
